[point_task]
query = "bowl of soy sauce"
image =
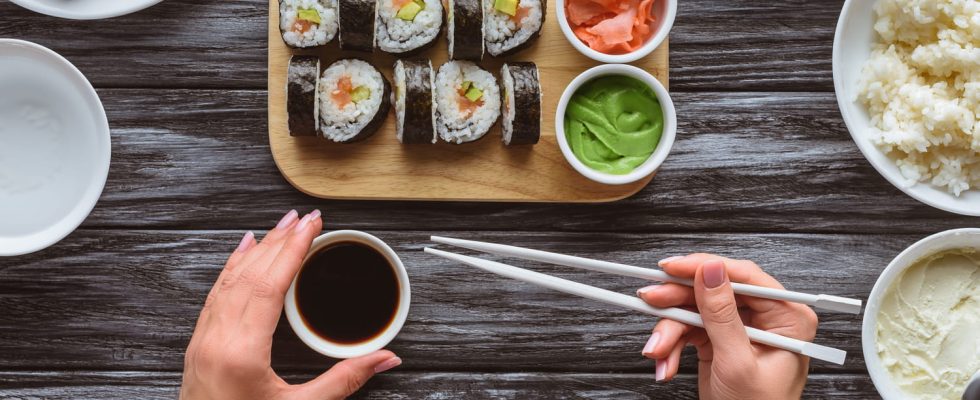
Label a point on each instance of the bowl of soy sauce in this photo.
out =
(351, 296)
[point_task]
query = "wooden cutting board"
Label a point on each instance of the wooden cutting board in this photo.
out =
(381, 168)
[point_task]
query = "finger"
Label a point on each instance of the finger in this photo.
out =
(266, 299)
(275, 235)
(716, 302)
(674, 360)
(667, 295)
(665, 335)
(348, 376)
(743, 271)
(246, 244)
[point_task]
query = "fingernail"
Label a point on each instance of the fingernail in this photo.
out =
(651, 343)
(668, 259)
(245, 241)
(661, 370)
(303, 223)
(644, 290)
(713, 273)
(387, 364)
(315, 214)
(287, 219)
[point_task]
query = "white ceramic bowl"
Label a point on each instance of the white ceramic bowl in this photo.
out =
(666, 139)
(54, 147)
(852, 47)
(665, 12)
(948, 240)
(338, 350)
(85, 9)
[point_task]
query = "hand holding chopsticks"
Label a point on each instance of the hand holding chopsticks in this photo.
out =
(630, 302)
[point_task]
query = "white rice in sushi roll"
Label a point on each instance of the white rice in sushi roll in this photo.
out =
(459, 122)
(298, 31)
(345, 117)
(397, 35)
(504, 33)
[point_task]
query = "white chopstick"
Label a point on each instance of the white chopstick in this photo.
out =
(816, 351)
(822, 301)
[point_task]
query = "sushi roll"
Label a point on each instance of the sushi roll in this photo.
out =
(511, 25)
(307, 23)
(414, 91)
(406, 26)
(465, 33)
(357, 24)
(301, 95)
(353, 100)
(522, 103)
(467, 102)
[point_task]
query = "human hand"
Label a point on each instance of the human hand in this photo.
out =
(230, 352)
(729, 365)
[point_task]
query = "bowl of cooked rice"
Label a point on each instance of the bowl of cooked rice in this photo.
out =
(907, 80)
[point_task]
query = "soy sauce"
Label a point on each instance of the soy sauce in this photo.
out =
(347, 293)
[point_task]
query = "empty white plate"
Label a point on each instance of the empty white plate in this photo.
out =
(85, 9)
(54, 147)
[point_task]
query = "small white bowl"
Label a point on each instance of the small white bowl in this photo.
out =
(852, 47)
(942, 241)
(54, 147)
(338, 350)
(85, 9)
(665, 12)
(666, 138)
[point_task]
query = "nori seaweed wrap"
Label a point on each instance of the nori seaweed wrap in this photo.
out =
(357, 19)
(414, 107)
(301, 95)
(465, 32)
(522, 103)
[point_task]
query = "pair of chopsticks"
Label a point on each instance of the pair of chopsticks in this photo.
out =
(816, 351)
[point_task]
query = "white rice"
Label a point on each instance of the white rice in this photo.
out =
(342, 124)
(502, 33)
(396, 35)
(454, 126)
(921, 86)
(509, 112)
(321, 33)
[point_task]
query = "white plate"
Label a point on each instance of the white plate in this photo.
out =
(85, 9)
(54, 147)
(852, 47)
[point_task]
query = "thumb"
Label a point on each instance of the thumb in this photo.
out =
(347, 376)
(716, 302)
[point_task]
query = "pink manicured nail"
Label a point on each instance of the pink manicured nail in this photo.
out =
(246, 240)
(661, 370)
(315, 214)
(287, 219)
(644, 290)
(387, 364)
(713, 273)
(303, 223)
(668, 259)
(651, 343)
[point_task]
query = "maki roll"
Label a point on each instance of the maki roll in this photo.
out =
(404, 26)
(353, 100)
(414, 91)
(511, 25)
(357, 24)
(307, 23)
(467, 102)
(465, 33)
(522, 103)
(301, 95)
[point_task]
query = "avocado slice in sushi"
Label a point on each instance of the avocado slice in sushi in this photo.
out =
(508, 7)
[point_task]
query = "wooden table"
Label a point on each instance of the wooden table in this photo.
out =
(763, 168)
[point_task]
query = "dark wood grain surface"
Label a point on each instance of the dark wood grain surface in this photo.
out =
(763, 168)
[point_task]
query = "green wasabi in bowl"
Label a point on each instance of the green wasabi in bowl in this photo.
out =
(613, 123)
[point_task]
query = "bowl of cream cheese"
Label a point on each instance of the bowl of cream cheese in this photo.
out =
(920, 330)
